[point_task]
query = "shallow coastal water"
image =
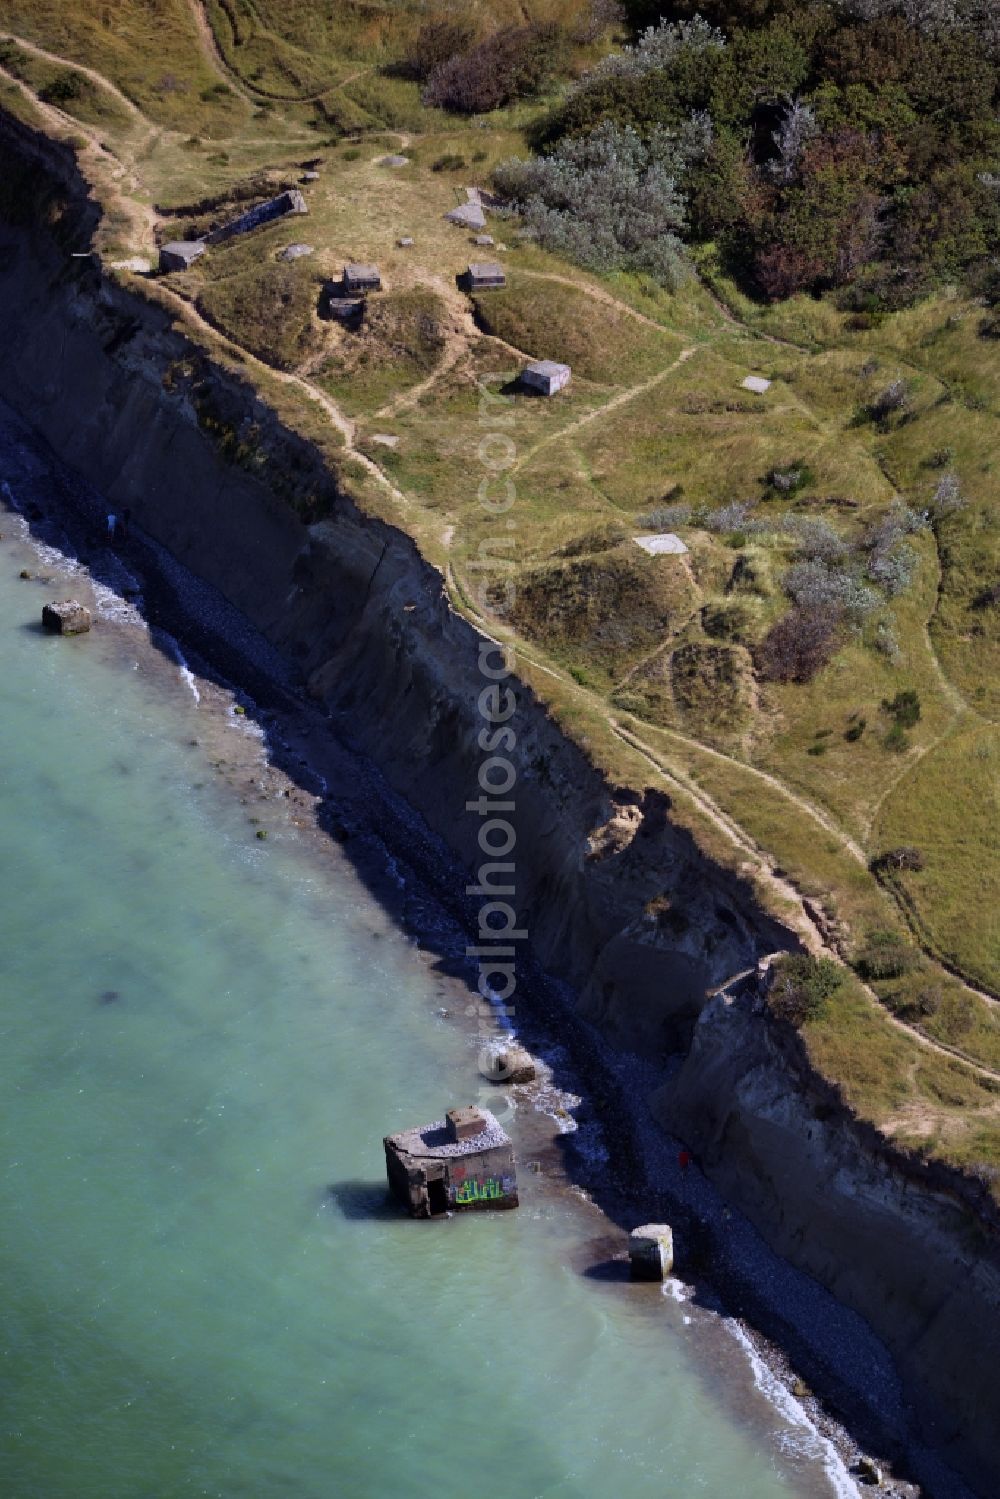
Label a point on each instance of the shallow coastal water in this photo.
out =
(204, 1038)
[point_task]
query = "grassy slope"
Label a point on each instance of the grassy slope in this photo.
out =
(606, 633)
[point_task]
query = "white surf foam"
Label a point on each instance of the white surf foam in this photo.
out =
(794, 1413)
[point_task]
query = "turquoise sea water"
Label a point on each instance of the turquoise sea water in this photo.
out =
(200, 1034)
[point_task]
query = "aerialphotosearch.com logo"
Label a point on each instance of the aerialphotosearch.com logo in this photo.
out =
(495, 951)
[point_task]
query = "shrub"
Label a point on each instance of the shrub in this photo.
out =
(450, 162)
(609, 200)
(893, 571)
(727, 518)
(904, 707)
(800, 644)
(855, 731)
(893, 860)
(801, 987)
(658, 49)
(988, 598)
(435, 44)
(513, 63)
(726, 621)
(894, 399)
(948, 497)
(815, 584)
(666, 517)
(817, 539)
(896, 739)
(886, 955)
(66, 87)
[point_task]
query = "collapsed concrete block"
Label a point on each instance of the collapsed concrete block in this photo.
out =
(651, 1251)
(440, 1167)
(66, 617)
(507, 1061)
(467, 216)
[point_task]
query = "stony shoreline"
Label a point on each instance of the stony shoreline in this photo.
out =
(804, 1339)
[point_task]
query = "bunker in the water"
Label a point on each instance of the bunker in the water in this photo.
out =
(463, 1161)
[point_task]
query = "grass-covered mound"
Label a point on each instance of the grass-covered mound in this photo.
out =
(549, 320)
(400, 341)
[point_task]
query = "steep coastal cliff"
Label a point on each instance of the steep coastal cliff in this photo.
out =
(126, 399)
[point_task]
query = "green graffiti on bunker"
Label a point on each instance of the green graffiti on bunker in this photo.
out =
(476, 1191)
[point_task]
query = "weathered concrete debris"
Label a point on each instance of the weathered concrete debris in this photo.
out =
(67, 617)
(465, 1160)
(180, 254)
(484, 239)
(504, 1060)
(651, 1251)
(395, 161)
(757, 384)
(294, 252)
(870, 1471)
(546, 376)
(467, 216)
(310, 176)
(406, 243)
(287, 202)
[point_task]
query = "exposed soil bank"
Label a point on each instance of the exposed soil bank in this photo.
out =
(124, 399)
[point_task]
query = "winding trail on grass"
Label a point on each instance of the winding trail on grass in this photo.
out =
(133, 209)
(621, 399)
(343, 423)
(251, 95)
(212, 53)
(818, 943)
(95, 77)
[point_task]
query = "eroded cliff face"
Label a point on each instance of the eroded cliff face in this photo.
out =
(616, 897)
(905, 1252)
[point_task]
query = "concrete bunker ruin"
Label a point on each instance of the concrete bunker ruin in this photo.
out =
(465, 1160)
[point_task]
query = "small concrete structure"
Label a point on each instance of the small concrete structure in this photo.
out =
(180, 254)
(757, 384)
(294, 252)
(406, 243)
(394, 161)
(67, 617)
(657, 545)
(467, 216)
(463, 1161)
(310, 176)
(483, 274)
(342, 309)
(484, 240)
(546, 376)
(361, 278)
(287, 202)
(651, 1251)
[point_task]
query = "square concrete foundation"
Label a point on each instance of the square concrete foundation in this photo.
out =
(651, 1251)
(464, 1161)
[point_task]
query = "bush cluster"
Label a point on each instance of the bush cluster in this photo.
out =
(512, 63)
(800, 644)
(609, 200)
(886, 955)
(801, 987)
(852, 143)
